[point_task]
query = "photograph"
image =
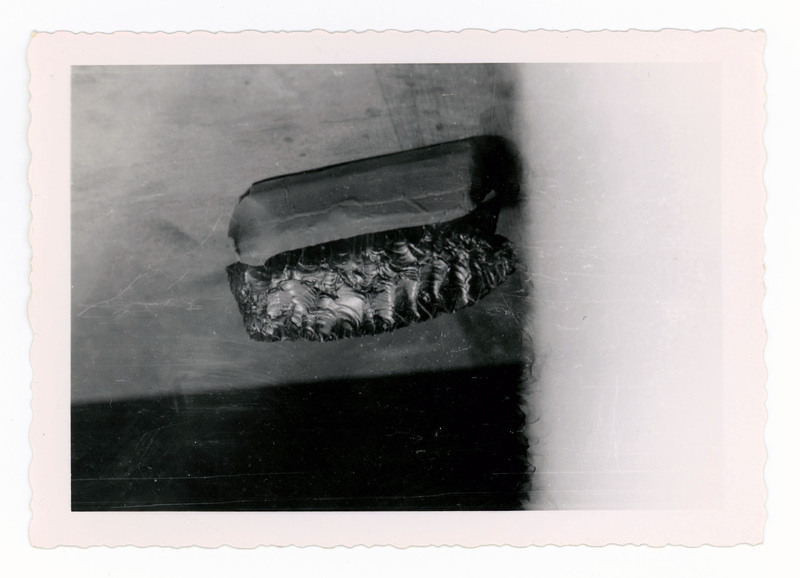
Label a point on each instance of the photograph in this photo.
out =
(400, 288)
(348, 333)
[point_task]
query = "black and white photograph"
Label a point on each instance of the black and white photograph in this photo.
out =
(488, 285)
(349, 332)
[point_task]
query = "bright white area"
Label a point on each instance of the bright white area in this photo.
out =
(625, 241)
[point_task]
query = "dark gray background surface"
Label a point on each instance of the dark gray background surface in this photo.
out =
(160, 157)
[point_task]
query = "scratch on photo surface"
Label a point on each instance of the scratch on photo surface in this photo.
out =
(110, 299)
(178, 281)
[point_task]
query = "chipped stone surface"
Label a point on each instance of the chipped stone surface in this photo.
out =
(370, 284)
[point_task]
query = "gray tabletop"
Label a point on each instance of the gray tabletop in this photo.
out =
(161, 155)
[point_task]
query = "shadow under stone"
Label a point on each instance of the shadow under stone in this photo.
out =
(450, 440)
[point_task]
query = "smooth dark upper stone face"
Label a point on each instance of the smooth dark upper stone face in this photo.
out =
(408, 189)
